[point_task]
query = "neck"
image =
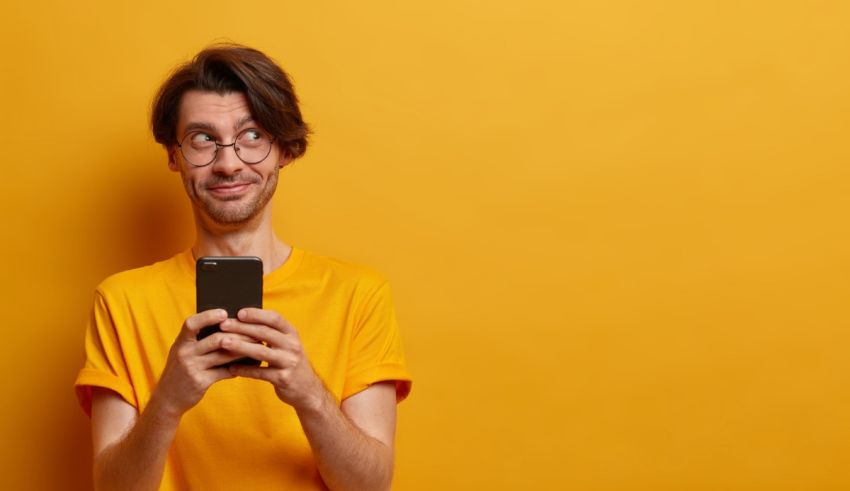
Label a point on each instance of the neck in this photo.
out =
(254, 238)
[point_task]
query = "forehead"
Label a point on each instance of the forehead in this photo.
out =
(219, 111)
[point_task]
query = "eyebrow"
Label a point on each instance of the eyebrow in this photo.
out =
(200, 125)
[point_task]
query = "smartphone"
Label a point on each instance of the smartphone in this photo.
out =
(230, 283)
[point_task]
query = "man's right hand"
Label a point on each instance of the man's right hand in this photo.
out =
(192, 365)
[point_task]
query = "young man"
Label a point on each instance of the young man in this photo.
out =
(165, 414)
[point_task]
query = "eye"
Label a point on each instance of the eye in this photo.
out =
(252, 135)
(253, 138)
(200, 138)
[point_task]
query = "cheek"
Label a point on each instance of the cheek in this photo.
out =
(191, 183)
(271, 179)
(267, 174)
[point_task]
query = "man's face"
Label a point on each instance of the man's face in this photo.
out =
(227, 191)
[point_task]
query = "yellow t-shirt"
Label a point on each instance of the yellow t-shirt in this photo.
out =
(241, 436)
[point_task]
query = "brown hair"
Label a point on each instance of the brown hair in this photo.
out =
(225, 68)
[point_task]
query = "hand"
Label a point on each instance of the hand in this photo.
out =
(192, 365)
(289, 371)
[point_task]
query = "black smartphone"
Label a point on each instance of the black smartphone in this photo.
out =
(230, 283)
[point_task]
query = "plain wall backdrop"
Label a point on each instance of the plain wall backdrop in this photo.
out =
(615, 230)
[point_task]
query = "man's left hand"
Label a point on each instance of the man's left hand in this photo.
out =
(288, 370)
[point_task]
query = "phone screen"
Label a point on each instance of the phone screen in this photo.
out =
(230, 283)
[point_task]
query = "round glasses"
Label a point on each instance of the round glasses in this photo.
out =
(251, 145)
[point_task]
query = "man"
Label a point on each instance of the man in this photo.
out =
(320, 412)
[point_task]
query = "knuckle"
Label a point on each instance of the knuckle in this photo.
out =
(290, 360)
(217, 338)
(183, 353)
(281, 379)
(190, 325)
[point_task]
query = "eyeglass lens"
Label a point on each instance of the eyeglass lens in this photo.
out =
(252, 146)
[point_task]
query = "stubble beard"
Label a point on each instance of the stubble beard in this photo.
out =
(224, 211)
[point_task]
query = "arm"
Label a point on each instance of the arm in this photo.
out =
(353, 445)
(352, 442)
(130, 449)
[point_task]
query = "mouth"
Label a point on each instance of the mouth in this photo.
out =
(233, 189)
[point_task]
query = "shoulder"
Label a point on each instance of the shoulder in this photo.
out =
(143, 279)
(339, 273)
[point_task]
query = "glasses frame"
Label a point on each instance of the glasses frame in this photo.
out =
(224, 145)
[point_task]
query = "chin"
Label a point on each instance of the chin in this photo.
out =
(228, 212)
(230, 217)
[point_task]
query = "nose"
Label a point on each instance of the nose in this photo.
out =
(226, 161)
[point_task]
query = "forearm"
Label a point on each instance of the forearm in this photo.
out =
(136, 462)
(347, 458)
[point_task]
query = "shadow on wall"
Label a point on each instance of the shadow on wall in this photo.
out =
(142, 217)
(148, 219)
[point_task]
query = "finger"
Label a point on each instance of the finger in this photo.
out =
(217, 374)
(266, 317)
(196, 322)
(259, 373)
(217, 358)
(259, 332)
(253, 350)
(213, 341)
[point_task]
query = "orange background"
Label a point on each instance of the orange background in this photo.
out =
(615, 230)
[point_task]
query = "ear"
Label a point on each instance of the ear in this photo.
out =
(172, 159)
(285, 159)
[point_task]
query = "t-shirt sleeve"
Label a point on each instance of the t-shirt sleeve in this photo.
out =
(104, 361)
(377, 354)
